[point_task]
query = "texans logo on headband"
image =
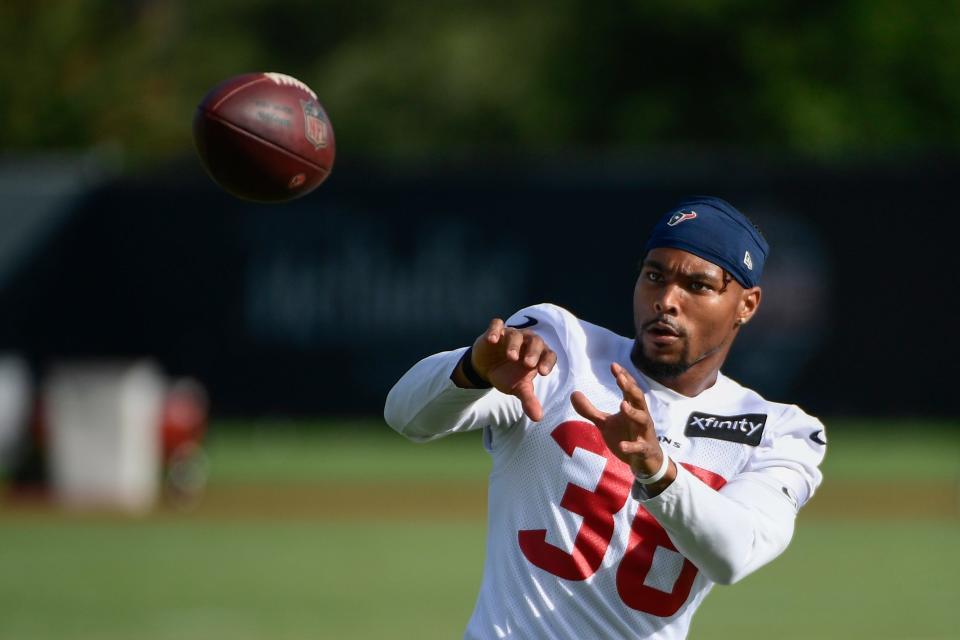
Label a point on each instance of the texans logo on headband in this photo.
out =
(680, 216)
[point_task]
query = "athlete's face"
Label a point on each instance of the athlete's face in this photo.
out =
(687, 312)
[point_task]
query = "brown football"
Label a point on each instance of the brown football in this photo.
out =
(264, 137)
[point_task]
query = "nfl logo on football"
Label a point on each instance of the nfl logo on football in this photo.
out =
(314, 127)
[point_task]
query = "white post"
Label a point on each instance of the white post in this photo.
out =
(104, 442)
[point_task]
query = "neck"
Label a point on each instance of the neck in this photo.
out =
(700, 376)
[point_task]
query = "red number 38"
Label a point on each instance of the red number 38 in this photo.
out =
(597, 509)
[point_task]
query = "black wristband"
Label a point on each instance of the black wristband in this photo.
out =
(466, 365)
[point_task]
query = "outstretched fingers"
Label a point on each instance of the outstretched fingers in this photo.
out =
(514, 342)
(529, 401)
(583, 406)
(547, 362)
(632, 393)
(494, 331)
(632, 412)
(510, 359)
(531, 348)
(536, 354)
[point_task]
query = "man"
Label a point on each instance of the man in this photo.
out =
(628, 476)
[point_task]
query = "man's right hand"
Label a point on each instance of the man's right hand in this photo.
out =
(510, 359)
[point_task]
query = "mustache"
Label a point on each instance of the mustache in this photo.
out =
(665, 320)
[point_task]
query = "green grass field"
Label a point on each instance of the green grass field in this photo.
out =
(348, 531)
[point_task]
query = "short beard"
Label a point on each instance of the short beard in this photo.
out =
(661, 370)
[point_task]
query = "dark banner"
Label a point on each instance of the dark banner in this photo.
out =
(318, 305)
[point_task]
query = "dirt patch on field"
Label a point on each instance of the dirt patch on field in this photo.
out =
(411, 501)
(890, 501)
(466, 501)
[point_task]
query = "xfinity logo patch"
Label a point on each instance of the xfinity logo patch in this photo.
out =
(745, 429)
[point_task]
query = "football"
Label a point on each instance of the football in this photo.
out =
(264, 137)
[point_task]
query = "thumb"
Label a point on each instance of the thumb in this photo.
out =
(585, 408)
(528, 400)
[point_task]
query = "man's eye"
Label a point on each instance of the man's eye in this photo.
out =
(653, 276)
(700, 286)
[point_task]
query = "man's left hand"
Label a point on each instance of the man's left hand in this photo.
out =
(630, 434)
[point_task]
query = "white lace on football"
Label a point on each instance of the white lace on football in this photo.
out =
(281, 78)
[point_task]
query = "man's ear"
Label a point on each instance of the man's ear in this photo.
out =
(749, 303)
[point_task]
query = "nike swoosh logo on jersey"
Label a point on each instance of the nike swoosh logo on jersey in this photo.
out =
(529, 323)
(790, 497)
(815, 436)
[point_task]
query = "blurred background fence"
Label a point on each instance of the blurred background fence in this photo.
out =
(319, 305)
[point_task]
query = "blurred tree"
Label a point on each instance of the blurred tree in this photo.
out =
(528, 76)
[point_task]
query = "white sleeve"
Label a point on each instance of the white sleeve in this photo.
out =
(732, 532)
(425, 403)
(727, 534)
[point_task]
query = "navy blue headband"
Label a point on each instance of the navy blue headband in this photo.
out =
(714, 230)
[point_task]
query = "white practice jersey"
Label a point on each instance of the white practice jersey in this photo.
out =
(572, 551)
